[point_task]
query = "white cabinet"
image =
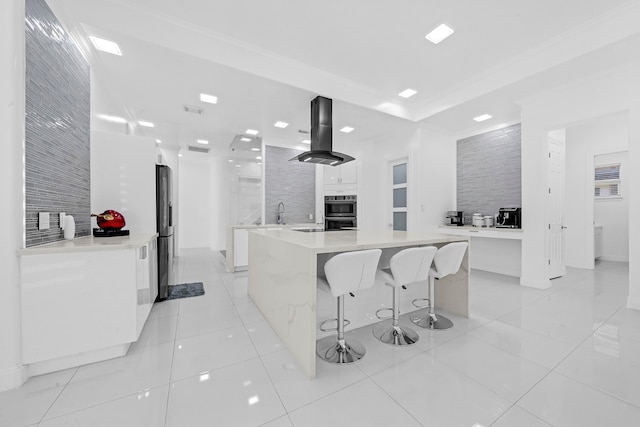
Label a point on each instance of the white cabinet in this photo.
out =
(341, 179)
(240, 248)
(146, 282)
(84, 300)
(343, 174)
(597, 241)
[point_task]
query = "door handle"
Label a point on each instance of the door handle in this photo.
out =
(562, 227)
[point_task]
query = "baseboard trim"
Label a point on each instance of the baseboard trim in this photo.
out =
(614, 258)
(633, 302)
(12, 378)
(536, 283)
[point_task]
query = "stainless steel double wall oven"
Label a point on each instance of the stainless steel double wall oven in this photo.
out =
(340, 212)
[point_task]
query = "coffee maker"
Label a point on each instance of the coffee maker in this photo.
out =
(454, 218)
(509, 218)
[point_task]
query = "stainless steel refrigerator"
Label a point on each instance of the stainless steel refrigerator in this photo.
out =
(164, 222)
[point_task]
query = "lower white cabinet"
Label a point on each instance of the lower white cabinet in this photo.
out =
(240, 248)
(84, 305)
(597, 241)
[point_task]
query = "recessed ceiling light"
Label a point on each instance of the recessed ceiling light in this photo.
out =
(158, 141)
(281, 125)
(251, 132)
(113, 119)
(346, 129)
(407, 93)
(259, 158)
(106, 45)
(238, 166)
(230, 160)
(202, 141)
(306, 141)
(255, 149)
(210, 99)
(297, 147)
(259, 164)
(482, 118)
(180, 155)
(146, 123)
(440, 33)
(245, 139)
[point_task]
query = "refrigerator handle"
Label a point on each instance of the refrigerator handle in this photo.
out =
(170, 214)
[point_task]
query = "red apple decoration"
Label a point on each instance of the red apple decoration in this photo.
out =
(110, 220)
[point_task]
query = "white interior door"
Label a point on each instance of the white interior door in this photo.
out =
(399, 194)
(556, 182)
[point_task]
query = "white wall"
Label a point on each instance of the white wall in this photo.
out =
(614, 91)
(219, 202)
(193, 203)
(437, 178)
(123, 178)
(431, 176)
(11, 186)
(583, 142)
(613, 214)
(203, 201)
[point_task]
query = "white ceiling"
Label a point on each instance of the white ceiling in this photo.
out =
(266, 60)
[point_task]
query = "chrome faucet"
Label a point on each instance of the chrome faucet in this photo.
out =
(280, 219)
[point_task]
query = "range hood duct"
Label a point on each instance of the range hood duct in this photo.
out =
(322, 136)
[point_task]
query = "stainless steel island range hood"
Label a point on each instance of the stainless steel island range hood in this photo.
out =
(322, 136)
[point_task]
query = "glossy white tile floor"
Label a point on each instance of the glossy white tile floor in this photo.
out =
(567, 356)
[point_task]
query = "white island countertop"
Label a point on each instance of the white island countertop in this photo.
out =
(352, 240)
(90, 243)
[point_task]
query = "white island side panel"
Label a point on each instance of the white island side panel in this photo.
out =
(282, 283)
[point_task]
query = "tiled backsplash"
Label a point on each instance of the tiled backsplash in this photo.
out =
(292, 183)
(489, 172)
(57, 170)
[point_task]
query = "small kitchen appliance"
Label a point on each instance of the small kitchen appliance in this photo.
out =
(488, 221)
(509, 218)
(477, 220)
(454, 218)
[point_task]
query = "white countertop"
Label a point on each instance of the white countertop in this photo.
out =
(287, 225)
(484, 232)
(471, 227)
(90, 243)
(338, 241)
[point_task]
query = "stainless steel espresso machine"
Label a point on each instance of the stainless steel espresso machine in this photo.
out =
(454, 218)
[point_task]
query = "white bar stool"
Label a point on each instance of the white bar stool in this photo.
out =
(447, 261)
(346, 272)
(407, 266)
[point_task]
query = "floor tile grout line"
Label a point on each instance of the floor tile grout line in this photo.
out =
(393, 399)
(95, 405)
(57, 397)
(622, 307)
(558, 373)
(173, 358)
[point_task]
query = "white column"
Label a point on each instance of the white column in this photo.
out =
(11, 186)
(534, 175)
(633, 301)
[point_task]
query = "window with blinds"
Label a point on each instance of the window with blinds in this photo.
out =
(607, 181)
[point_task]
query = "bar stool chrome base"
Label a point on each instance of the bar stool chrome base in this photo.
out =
(394, 335)
(428, 322)
(337, 351)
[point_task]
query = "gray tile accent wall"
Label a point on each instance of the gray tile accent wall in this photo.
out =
(293, 183)
(489, 172)
(57, 170)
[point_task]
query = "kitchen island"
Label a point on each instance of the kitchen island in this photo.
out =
(283, 271)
